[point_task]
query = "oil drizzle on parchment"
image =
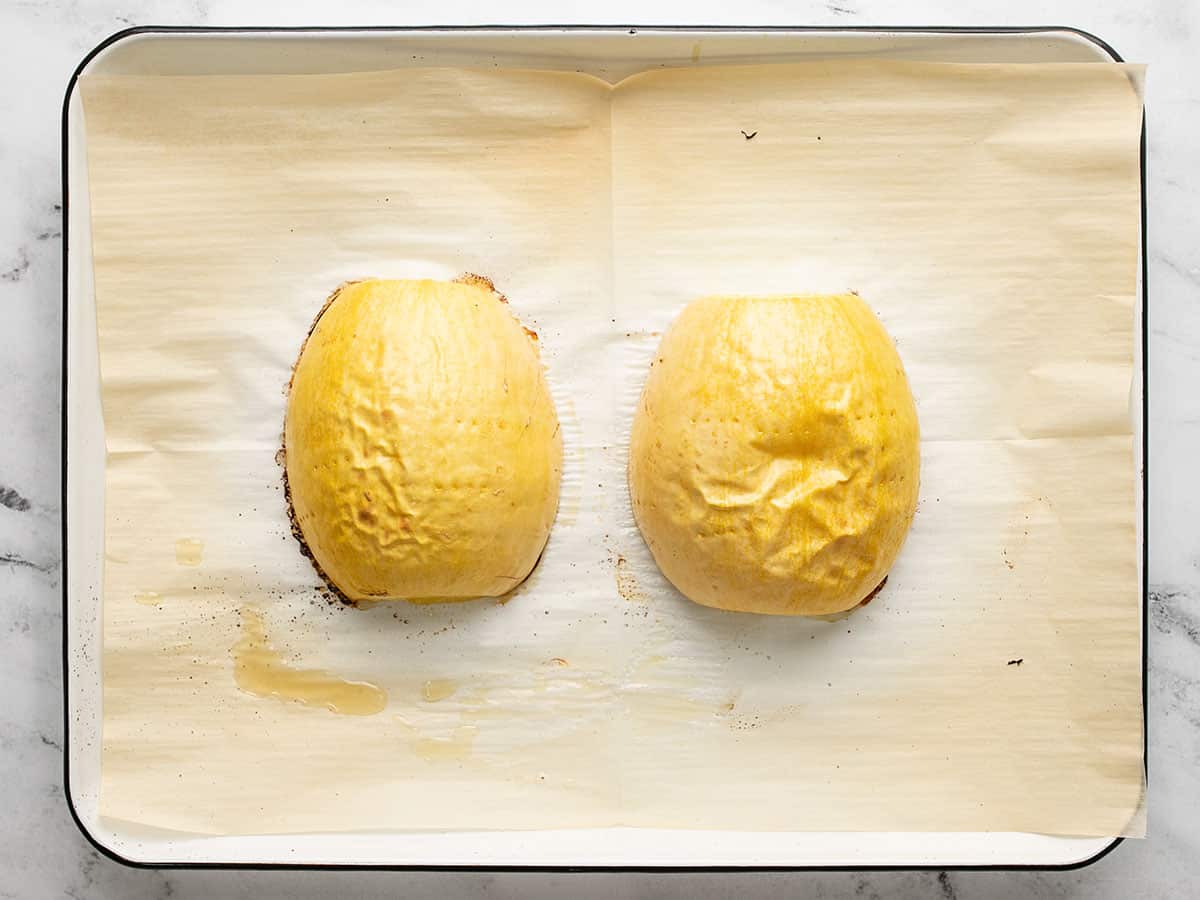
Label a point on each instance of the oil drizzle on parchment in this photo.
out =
(259, 669)
(189, 552)
(456, 747)
(437, 689)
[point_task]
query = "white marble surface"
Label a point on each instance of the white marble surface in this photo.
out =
(42, 854)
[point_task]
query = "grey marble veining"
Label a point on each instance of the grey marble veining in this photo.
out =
(41, 852)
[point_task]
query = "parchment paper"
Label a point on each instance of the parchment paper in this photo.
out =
(989, 215)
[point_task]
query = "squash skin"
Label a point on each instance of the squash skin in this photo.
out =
(423, 455)
(774, 460)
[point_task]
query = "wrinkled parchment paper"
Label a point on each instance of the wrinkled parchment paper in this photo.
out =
(987, 213)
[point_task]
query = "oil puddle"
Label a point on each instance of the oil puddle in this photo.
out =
(259, 669)
(189, 552)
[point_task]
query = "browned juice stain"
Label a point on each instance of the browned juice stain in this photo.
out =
(365, 603)
(148, 598)
(189, 551)
(437, 689)
(846, 613)
(259, 669)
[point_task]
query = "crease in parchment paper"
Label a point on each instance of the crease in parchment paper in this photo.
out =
(988, 214)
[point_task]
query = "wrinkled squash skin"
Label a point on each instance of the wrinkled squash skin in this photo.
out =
(774, 460)
(422, 451)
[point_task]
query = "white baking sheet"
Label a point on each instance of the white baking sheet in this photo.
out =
(638, 727)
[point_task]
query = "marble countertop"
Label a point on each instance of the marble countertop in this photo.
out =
(41, 852)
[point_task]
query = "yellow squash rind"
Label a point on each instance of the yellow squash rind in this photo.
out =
(774, 460)
(423, 454)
